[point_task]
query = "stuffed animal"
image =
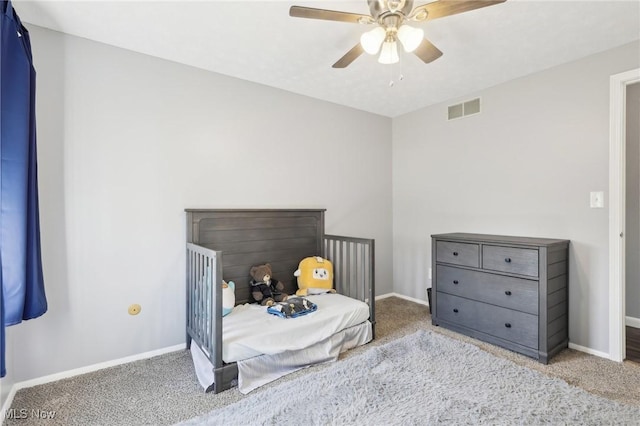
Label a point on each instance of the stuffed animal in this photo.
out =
(315, 276)
(228, 296)
(265, 289)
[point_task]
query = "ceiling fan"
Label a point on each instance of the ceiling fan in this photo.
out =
(391, 17)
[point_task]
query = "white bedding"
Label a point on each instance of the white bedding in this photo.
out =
(257, 371)
(250, 331)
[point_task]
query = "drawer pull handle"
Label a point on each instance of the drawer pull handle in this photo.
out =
(508, 260)
(455, 310)
(508, 292)
(455, 282)
(455, 253)
(508, 325)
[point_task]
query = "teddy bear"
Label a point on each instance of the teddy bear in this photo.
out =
(265, 289)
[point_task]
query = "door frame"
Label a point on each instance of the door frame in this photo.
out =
(617, 173)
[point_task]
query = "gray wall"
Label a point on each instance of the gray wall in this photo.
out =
(126, 143)
(632, 215)
(524, 166)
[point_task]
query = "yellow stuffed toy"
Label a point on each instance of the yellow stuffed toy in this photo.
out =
(315, 276)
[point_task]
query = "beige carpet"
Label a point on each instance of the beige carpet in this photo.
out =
(164, 389)
(616, 381)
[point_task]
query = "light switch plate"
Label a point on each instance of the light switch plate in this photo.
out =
(597, 199)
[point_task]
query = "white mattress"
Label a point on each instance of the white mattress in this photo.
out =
(250, 331)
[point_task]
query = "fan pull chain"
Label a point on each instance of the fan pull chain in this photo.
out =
(391, 82)
(400, 75)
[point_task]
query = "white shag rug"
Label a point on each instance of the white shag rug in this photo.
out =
(422, 379)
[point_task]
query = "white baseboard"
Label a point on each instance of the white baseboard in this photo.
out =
(589, 351)
(385, 296)
(7, 404)
(82, 370)
(632, 322)
(402, 296)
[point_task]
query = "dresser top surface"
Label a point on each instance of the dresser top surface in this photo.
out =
(501, 239)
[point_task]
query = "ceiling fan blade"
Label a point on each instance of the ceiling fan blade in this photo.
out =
(442, 8)
(349, 57)
(329, 15)
(427, 51)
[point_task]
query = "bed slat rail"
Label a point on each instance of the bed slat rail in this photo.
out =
(353, 268)
(204, 300)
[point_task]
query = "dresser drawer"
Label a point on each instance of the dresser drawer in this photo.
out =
(508, 292)
(517, 327)
(458, 253)
(510, 259)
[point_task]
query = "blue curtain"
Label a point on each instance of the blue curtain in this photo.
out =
(21, 279)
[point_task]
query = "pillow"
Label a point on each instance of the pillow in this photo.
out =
(228, 297)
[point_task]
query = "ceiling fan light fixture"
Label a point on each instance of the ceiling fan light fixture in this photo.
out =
(387, 18)
(372, 40)
(410, 37)
(389, 53)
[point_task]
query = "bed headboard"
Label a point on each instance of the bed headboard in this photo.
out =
(281, 237)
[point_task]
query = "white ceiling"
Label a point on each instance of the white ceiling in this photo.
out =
(259, 42)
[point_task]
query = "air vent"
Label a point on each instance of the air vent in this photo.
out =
(463, 109)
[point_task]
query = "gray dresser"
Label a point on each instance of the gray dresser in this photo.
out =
(509, 291)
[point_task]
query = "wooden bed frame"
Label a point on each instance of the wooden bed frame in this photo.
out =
(227, 242)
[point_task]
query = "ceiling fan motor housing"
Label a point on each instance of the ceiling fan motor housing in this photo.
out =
(381, 8)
